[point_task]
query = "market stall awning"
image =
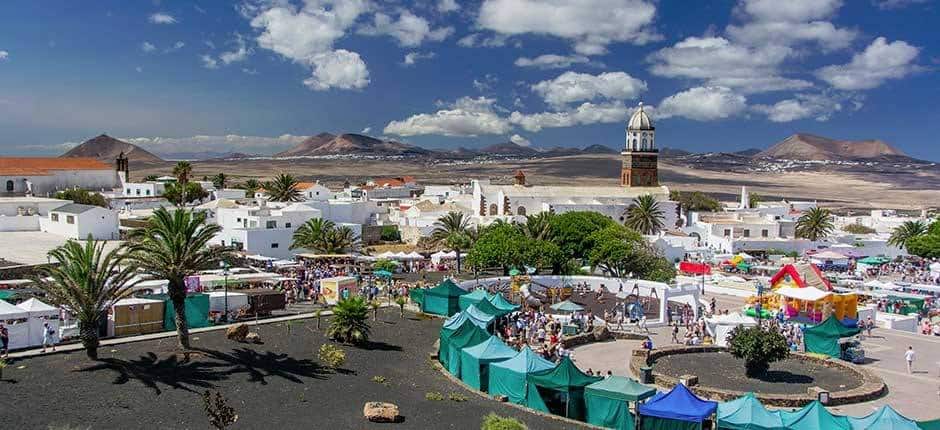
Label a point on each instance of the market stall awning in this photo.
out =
(809, 294)
(679, 404)
(747, 413)
(567, 306)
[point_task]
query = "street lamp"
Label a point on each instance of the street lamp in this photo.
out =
(225, 287)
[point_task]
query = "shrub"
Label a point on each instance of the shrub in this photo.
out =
(220, 414)
(457, 397)
(350, 323)
(758, 348)
(333, 356)
(496, 422)
(858, 229)
(390, 233)
(434, 396)
(82, 197)
(379, 380)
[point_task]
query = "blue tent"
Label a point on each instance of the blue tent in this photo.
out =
(509, 377)
(885, 418)
(478, 318)
(677, 409)
(747, 413)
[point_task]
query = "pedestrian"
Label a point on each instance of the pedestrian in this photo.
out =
(643, 323)
(869, 325)
(4, 340)
(909, 357)
(48, 336)
(675, 332)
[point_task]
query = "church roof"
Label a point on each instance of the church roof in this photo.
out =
(568, 191)
(43, 166)
(640, 120)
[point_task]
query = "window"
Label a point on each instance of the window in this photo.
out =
(270, 224)
(287, 225)
(747, 233)
(148, 192)
(520, 211)
(138, 191)
(727, 232)
(54, 217)
(764, 233)
(70, 219)
(9, 185)
(128, 191)
(493, 209)
(274, 246)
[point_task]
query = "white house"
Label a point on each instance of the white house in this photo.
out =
(38, 176)
(24, 213)
(310, 191)
(143, 189)
(263, 228)
(77, 221)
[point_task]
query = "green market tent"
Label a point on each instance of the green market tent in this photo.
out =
(514, 272)
(6, 295)
(606, 402)
(383, 273)
(814, 416)
(565, 380)
(744, 267)
(508, 377)
(747, 413)
(442, 299)
(417, 296)
(502, 304)
(872, 261)
(452, 341)
(885, 418)
(196, 306)
(567, 306)
(488, 307)
(929, 425)
(824, 337)
(473, 298)
(475, 360)
(475, 316)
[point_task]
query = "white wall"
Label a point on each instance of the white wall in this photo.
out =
(95, 180)
(20, 223)
(100, 223)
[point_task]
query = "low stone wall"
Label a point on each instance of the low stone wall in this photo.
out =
(872, 386)
(585, 338)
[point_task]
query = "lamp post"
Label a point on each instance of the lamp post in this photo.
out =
(225, 287)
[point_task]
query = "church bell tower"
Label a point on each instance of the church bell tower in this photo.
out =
(640, 155)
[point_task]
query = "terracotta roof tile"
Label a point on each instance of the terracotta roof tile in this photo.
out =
(38, 166)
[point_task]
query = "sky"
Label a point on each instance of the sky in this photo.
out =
(257, 76)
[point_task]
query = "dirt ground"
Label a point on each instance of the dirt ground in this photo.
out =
(842, 188)
(277, 384)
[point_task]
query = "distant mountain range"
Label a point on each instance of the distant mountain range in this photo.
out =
(800, 146)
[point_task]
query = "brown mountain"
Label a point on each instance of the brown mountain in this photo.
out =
(803, 146)
(107, 148)
(509, 149)
(350, 144)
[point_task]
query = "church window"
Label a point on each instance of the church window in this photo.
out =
(9, 185)
(634, 143)
(520, 211)
(493, 209)
(644, 143)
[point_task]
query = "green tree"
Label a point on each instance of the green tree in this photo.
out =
(904, 233)
(88, 281)
(570, 231)
(219, 181)
(350, 323)
(150, 178)
(538, 226)
(644, 215)
(172, 246)
(82, 197)
(452, 232)
(754, 199)
(183, 171)
(858, 229)
(283, 188)
(340, 240)
(385, 264)
(926, 245)
(250, 186)
(619, 251)
(695, 201)
(504, 246)
(181, 194)
(312, 234)
(815, 224)
(390, 233)
(758, 348)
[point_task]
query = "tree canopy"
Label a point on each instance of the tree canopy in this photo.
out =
(927, 244)
(504, 246)
(570, 231)
(815, 224)
(83, 197)
(182, 193)
(620, 251)
(695, 201)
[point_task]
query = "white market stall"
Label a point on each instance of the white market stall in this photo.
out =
(39, 313)
(236, 301)
(720, 326)
(16, 321)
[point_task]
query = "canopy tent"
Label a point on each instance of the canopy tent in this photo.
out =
(477, 317)
(807, 294)
(472, 298)
(885, 418)
(823, 338)
(929, 425)
(514, 272)
(417, 296)
(443, 299)
(565, 379)
(452, 341)
(475, 360)
(508, 377)
(720, 326)
(874, 261)
(441, 255)
(488, 307)
(39, 314)
(679, 409)
(814, 416)
(19, 329)
(502, 304)
(693, 268)
(382, 273)
(414, 256)
(800, 276)
(197, 310)
(605, 402)
(567, 306)
(747, 413)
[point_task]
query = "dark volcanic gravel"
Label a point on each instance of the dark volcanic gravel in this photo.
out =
(721, 370)
(275, 385)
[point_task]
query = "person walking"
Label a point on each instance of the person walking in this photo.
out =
(48, 336)
(675, 332)
(869, 325)
(909, 357)
(4, 341)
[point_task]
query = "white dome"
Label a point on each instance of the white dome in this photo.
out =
(640, 120)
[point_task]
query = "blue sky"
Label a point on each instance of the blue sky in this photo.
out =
(257, 76)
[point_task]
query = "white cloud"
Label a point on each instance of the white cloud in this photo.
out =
(816, 106)
(773, 22)
(162, 18)
(410, 30)
(896, 4)
(485, 83)
(519, 140)
(209, 143)
(366, 130)
(139, 69)
(413, 57)
(338, 69)
(573, 87)
(248, 71)
(467, 117)
(879, 62)
(175, 47)
(586, 113)
(4, 55)
(702, 104)
(552, 61)
(208, 62)
(147, 47)
(478, 40)
(239, 53)
(445, 6)
(590, 24)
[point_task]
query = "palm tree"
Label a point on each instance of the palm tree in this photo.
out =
(538, 227)
(182, 171)
(350, 323)
(173, 246)
(283, 188)
(903, 233)
(88, 281)
(451, 230)
(219, 180)
(815, 224)
(312, 234)
(340, 240)
(644, 215)
(251, 186)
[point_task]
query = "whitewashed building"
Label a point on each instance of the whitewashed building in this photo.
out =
(44, 176)
(25, 213)
(77, 221)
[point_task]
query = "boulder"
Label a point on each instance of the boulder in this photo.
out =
(601, 334)
(500, 398)
(237, 332)
(253, 338)
(380, 412)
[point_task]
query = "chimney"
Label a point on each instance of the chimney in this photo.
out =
(519, 178)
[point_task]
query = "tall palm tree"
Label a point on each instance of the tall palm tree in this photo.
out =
(173, 246)
(340, 240)
(451, 230)
(220, 180)
(88, 281)
(815, 224)
(251, 186)
(283, 188)
(183, 170)
(644, 215)
(312, 234)
(538, 227)
(903, 233)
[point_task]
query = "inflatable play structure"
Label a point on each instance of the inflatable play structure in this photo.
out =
(804, 294)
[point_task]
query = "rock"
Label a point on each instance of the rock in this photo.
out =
(379, 412)
(253, 338)
(237, 333)
(601, 334)
(688, 380)
(501, 398)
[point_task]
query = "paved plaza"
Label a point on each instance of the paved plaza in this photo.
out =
(915, 395)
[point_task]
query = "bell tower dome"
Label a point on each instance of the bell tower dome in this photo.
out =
(640, 155)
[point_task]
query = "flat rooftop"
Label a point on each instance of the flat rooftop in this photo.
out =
(31, 247)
